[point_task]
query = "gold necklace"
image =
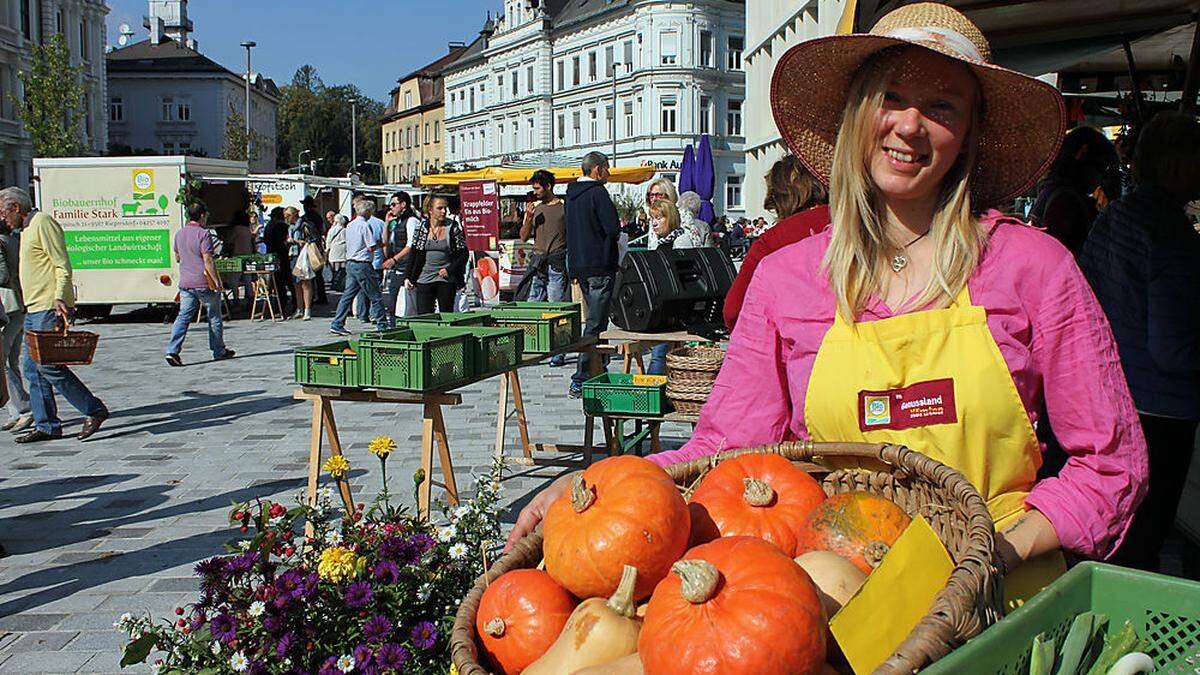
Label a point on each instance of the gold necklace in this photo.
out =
(900, 260)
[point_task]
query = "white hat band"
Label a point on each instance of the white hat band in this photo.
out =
(943, 36)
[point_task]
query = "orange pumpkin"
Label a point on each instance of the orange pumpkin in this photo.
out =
(621, 511)
(520, 615)
(759, 495)
(734, 606)
(858, 526)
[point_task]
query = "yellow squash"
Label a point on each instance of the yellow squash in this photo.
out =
(599, 631)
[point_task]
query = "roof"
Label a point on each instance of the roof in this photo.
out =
(170, 56)
(472, 53)
(566, 12)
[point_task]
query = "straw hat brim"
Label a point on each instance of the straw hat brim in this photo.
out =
(1021, 126)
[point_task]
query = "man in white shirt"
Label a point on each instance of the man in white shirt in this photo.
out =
(362, 241)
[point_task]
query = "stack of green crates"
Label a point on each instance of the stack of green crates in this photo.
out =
(228, 265)
(449, 319)
(545, 330)
(543, 306)
(328, 365)
(496, 349)
(419, 357)
(625, 394)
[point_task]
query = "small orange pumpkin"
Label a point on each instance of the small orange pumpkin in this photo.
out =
(520, 615)
(735, 606)
(623, 510)
(756, 495)
(858, 526)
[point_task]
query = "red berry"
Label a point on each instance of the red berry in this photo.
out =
(239, 515)
(244, 529)
(181, 623)
(270, 535)
(359, 506)
(289, 550)
(178, 611)
(186, 630)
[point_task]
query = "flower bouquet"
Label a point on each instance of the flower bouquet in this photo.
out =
(370, 592)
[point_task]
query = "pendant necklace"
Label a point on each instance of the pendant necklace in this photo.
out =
(900, 260)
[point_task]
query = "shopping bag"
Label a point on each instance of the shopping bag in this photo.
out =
(316, 257)
(302, 269)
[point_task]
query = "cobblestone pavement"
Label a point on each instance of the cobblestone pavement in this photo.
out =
(115, 524)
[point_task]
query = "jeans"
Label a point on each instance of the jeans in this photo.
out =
(597, 292)
(190, 300)
(18, 399)
(361, 277)
(552, 288)
(363, 305)
(658, 359)
(44, 380)
(441, 291)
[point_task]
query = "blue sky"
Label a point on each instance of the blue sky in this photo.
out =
(369, 43)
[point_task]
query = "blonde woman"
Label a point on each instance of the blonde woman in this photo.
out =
(922, 318)
(666, 224)
(301, 234)
(659, 189)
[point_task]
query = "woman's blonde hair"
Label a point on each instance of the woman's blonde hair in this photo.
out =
(857, 258)
(667, 186)
(665, 209)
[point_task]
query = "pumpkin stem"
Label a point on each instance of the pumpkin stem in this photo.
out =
(758, 493)
(495, 627)
(621, 601)
(582, 495)
(874, 552)
(699, 579)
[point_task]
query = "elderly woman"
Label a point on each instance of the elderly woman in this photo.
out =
(335, 244)
(666, 223)
(659, 189)
(689, 212)
(920, 317)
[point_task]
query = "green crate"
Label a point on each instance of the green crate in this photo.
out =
(1164, 611)
(419, 357)
(228, 265)
(328, 365)
(542, 306)
(545, 331)
(616, 393)
(449, 319)
(495, 349)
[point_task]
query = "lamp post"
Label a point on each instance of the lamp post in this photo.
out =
(300, 160)
(354, 132)
(613, 160)
(249, 44)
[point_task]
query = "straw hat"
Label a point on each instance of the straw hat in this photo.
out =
(1021, 124)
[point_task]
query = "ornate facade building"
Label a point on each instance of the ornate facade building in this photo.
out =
(412, 123)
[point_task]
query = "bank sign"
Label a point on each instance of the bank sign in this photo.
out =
(114, 218)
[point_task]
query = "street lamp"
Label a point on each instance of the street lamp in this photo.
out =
(300, 160)
(248, 45)
(354, 133)
(372, 164)
(613, 160)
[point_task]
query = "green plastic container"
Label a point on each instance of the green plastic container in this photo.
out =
(545, 330)
(1164, 611)
(495, 349)
(449, 319)
(616, 393)
(542, 306)
(228, 265)
(419, 357)
(328, 365)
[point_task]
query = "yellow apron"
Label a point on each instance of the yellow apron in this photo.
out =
(934, 381)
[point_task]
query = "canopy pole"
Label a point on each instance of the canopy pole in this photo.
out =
(1136, 89)
(1191, 81)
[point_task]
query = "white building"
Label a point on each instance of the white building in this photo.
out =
(24, 23)
(539, 82)
(166, 97)
(773, 27)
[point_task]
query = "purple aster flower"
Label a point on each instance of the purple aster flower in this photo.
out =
(307, 586)
(391, 657)
(242, 563)
(362, 653)
(394, 548)
(330, 667)
(424, 635)
(211, 569)
(288, 582)
(387, 572)
(286, 643)
(358, 594)
(273, 623)
(376, 629)
(224, 628)
(422, 542)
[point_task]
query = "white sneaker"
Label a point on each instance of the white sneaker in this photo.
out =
(307, 315)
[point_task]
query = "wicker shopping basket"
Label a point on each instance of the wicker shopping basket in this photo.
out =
(969, 602)
(61, 348)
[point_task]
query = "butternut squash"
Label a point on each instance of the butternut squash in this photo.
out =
(837, 578)
(599, 631)
(626, 665)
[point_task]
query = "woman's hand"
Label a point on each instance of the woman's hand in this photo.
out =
(389, 263)
(536, 509)
(408, 284)
(443, 273)
(1027, 537)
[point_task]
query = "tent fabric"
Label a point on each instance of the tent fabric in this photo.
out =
(687, 171)
(511, 176)
(705, 177)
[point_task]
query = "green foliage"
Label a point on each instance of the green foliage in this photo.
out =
(52, 107)
(315, 116)
(234, 147)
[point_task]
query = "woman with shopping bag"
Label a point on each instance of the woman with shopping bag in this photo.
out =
(309, 260)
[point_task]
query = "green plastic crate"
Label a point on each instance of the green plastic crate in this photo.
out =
(545, 331)
(449, 319)
(228, 265)
(616, 393)
(1164, 611)
(542, 306)
(328, 365)
(495, 349)
(419, 357)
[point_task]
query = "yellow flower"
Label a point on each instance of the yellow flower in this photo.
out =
(337, 564)
(337, 466)
(382, 446)
(453, 669)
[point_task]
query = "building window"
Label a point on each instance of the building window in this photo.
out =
(515, 85)
(427, 133)
(516, 138)
(609, 120)
(60, 22)
(733, 118)
(668, 115)
(733, 56)
(452, 149)
(628, 56)
(593, 133)
(116, 109)
(26, 20)
(591, 66)
(183, 110)
(610, 60)
(482, 142)
(668, 48)
(574, 71)
(167, 111)
(705, 114)
(558, 68)
(409, 137)
(529, 79)
(407, 100)
(84, 50)
(575, 127)
(500, 139)
(471, 107)
(531, 133)
(437, 131)
(185, 148)
(168, 148)
(500, 87)
(706, 49)
(733, 192)
(628, 118)
(561, 126)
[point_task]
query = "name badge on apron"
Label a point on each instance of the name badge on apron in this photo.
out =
(917, 405)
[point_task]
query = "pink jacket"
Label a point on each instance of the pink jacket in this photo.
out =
(1050, 330)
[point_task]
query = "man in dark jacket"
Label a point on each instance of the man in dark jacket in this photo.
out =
(592, 232)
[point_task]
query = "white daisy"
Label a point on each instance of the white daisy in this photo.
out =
(460, 512)
(256, 608)
(124, 621)
(345, 663)
(447, 534)
(216, 647)
(239, 662)
(333, 537)
(458, 550)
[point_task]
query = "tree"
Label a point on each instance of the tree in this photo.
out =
(314, 116)
(52, 107)
(235, 138)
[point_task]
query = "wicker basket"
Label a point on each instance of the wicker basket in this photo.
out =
(694, 364)
(61, 348)
(688, 397)
(920, 485)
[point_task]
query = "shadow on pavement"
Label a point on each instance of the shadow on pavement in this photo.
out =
(194, 411)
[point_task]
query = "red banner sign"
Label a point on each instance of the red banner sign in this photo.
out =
(480, 205)
(918, 405)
